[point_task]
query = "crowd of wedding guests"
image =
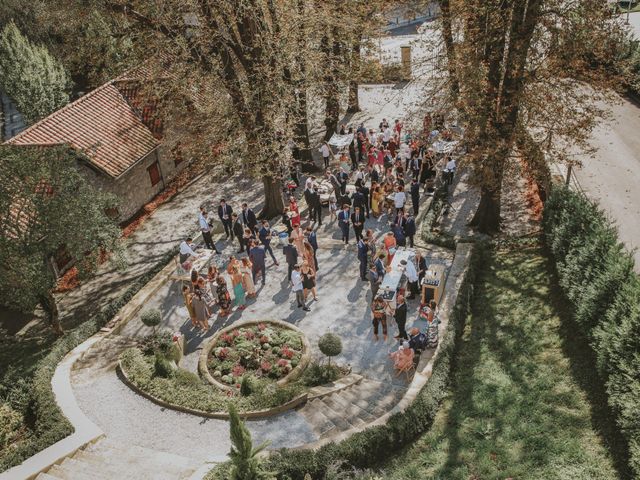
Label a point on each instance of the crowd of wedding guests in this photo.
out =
(381, 175)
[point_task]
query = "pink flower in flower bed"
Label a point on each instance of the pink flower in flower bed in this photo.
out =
(235, 333)
(265, 365)
(264, 339)
(261, 326)
(237, 370)
(249, 335)
(222, 353)
(282, 362)
(226, 338)
(286, 352)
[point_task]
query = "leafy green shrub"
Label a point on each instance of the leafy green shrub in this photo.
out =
(11, 424)
(246, 386)
(158, 342)
(151, 317)
(49, 424)
(330, 344)
(597, 278)
(245, 460)
(317, 374)
(163, 367)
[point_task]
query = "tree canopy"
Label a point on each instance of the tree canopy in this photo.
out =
(45, 204)
(34, 79)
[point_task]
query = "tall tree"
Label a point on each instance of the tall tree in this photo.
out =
(34, 79)
(506, 60)
(46, 204)
(246, 464)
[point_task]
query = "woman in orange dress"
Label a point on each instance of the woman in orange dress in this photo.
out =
(298, 238)
(295, 212)
(390, 246)
(308, 256)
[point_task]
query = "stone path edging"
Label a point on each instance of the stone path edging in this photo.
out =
(293, 375)
(85, 431)
(456, 276)
(342, 383)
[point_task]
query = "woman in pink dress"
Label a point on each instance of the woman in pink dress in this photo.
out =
(298, 239)
(295, 213)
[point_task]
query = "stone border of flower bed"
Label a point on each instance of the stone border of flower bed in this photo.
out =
(254, 414)
(293, 375)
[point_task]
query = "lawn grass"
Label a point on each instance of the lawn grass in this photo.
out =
(520, 405)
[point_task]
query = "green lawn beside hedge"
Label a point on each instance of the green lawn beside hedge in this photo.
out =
(596, 275)
(45, 423)
(517, 409)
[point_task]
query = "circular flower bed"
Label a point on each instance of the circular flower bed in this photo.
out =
(270, 350)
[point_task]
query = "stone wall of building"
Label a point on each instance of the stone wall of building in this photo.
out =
(134, 187)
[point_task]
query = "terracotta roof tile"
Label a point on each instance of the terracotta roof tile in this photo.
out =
(100, 124)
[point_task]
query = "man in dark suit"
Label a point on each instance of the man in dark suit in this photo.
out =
(238, 231)
(248, 217)
(400, 316)
(257, 255)
(343, 223)
(409, 227)
(343, 178)
(367, 201)
(307, 198)
(357, 220)
(362, 257)
(313, 241)
(379, 265)
(264, 234)
(291, 256)
(315, 206)
(357, 199)
(415, 195)
(374, 175)
(224, 212)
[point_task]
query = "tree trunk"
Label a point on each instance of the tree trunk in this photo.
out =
(301, 132)
(447, 34)
(354, 104)
(273, 203)
(48, 304)
(332, 113)
(487, 217)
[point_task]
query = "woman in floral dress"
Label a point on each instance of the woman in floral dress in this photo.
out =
(247, 277)
(224, 299)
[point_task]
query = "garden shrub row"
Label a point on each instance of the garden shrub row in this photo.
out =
(367, 448)
(50, 425)
(596, 275)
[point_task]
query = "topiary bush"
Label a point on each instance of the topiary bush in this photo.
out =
(596, 276)
(151, 317)
(317, 374)
(330, 344)
(164, 367)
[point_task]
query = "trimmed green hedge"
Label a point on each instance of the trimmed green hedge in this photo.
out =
(374, 445)
(50, 425)
(597, 277)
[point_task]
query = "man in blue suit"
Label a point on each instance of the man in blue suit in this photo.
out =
(264, 234)
(343, 223)
(363, 248)
(257, 256)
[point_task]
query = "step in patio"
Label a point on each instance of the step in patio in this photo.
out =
(354, 406)
(108, 460)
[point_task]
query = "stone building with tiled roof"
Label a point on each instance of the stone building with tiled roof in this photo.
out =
(119, 139)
